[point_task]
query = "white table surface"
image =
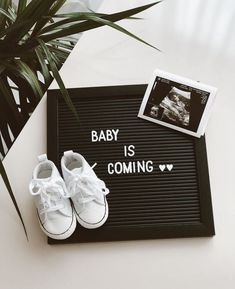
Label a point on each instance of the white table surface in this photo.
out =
(197, 38)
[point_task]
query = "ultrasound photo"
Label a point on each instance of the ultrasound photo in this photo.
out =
(177, 102)
(175, 107)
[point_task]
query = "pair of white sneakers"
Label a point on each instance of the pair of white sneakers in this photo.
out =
(80, 196)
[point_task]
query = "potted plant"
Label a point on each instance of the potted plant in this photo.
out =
(35, 41)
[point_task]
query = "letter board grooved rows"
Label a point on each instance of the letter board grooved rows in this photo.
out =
(162, 191)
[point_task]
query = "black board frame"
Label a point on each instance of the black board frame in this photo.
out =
(203, 229)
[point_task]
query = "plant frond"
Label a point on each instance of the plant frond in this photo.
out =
(58, 78)
(21, 6)
(44, 67)
(4, 4)
(33, 12)
(94, 23)
(6, 14)
(21, 69)
(6, 93)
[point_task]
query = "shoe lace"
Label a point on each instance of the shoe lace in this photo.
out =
(51, 194)
(86, 188)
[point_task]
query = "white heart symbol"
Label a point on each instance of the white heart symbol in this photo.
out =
(162, 167)
(169, 167)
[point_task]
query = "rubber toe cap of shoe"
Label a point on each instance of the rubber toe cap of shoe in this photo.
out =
(93, 215)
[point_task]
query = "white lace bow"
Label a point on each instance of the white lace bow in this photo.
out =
(86, 188)
(51, 194)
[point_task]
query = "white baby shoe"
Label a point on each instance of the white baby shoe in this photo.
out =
(55, 213)
(86, 190)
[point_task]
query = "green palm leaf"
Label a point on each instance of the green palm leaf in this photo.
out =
(56, 7)
(43, 21)
(58, 78)
(119, 28)
(79, 16)
(6, 93)
(12, 29)
(4, 4)
(88, 25)
(5, 14)
(23, 70)
(33, 12)
(21, 6)
(45, 70)
(57, 43)
(99, 21)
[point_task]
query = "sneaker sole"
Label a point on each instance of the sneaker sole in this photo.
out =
(64, 235)
(95, 225)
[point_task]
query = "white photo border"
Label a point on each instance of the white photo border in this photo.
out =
(185, 81)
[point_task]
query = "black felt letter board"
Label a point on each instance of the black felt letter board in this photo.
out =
(163, 193)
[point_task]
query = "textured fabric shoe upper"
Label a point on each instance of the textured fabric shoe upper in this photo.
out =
(86, 190)
(51, 198)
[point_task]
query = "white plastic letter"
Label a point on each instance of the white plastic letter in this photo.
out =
(115, 133)
(94, 136)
